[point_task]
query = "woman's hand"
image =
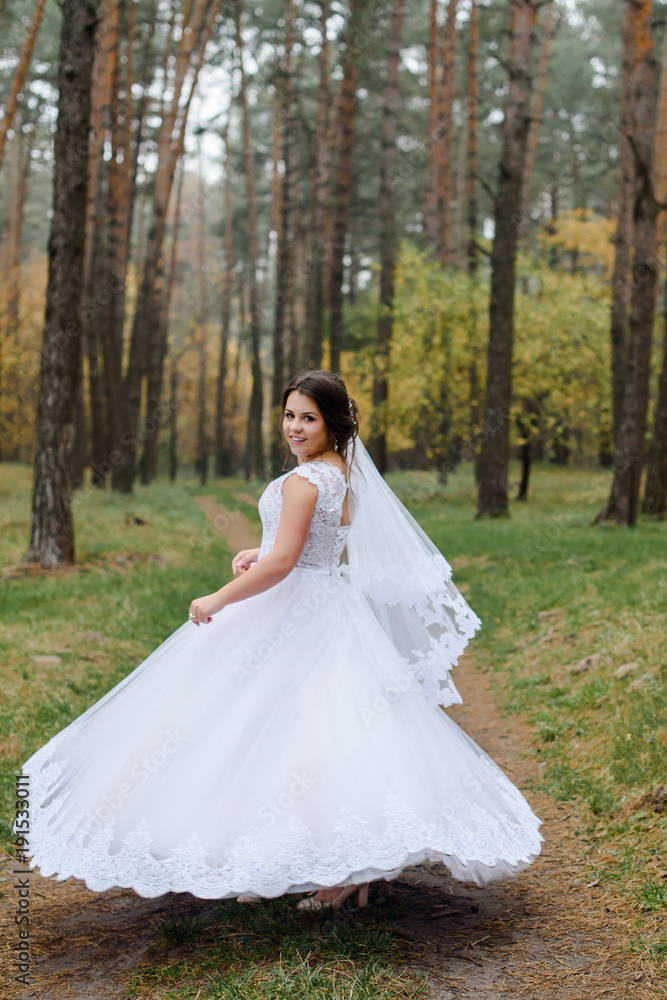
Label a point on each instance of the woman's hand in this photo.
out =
(202, 609)
(244, 560)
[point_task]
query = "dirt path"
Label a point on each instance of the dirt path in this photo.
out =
(546, 935)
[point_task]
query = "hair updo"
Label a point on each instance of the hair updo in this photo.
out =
(338, 410)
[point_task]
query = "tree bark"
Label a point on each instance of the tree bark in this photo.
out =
(122, 196)
(202, 419)
(158, 351)
(104, 86)
(472, 88)
(221, 456)
(623, 503)
(173, 419)
(655, 490)
(445, 182)
(52, 527)
(19, 169)
(378, 436)
(661, 152)
(434, 77)
(319, 187)
(534, 132)
(254, 459)
(20, 74)
(492, 499)
(343, 183)
(620, 282)
(284, 258)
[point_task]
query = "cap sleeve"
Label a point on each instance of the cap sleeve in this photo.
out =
(328, 478)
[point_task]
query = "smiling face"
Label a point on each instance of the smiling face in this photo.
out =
(304, 427)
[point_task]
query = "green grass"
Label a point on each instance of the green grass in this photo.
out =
(550, 589)
(271, 949)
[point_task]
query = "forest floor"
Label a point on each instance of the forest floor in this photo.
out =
(551, 933)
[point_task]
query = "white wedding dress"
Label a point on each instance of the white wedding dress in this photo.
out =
(285, 746)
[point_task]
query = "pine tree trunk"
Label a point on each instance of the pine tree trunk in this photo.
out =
(221, 456)
(319, 187)
(378, 437)
(173, 423)
(472, 87)
(534, 132)
(20, 73)
(52, 528)
(285, 247)
(19, 168)
(343, 184)
(620, 281)
(459, 248)
(122, 194)
(104, 87)
(254, 461)
(202, 418)
(158, 353)
(622, 506)
(492, 499)
(661, 151)
(445, 181)
(655, 491)
(434, 83)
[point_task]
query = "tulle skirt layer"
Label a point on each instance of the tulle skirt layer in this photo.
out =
(283, 747)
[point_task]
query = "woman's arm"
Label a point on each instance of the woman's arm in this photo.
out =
(299, 499)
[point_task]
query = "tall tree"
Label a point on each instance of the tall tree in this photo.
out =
(538, 106)
(221, 450)
(158, 349)
(52, 528)
(343, 184)
(655, 490)
(472, 100)
(284, 261)
(620, 280)
(19, 168)
(319, 187)
(255, 437)
(104, 84)
(445, 179)
(622, 506)
(434, 76)
(472, 109)
(202, 322)
(12, 102)
(378, 437)
(493, 462)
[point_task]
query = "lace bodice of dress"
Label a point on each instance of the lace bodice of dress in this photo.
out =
(326, 538)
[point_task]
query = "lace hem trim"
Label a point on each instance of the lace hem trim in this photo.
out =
(483, 849)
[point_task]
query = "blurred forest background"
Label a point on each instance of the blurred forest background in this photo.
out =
(455, 203)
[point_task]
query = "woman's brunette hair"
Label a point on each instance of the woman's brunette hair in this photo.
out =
(339, 411)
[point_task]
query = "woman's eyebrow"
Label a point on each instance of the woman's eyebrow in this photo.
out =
(306, 413)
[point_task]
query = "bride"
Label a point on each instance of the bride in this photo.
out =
(288, 737)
